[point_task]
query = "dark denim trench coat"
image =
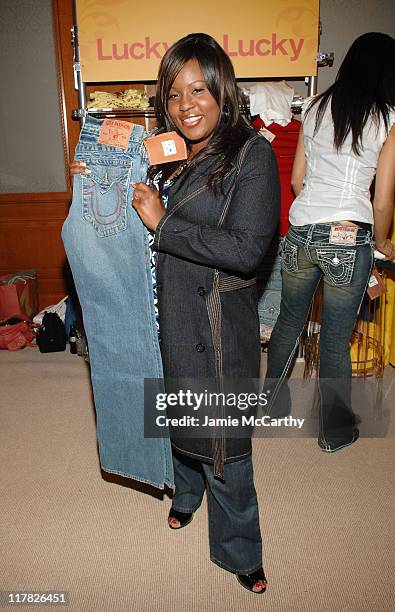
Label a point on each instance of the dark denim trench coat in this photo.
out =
(210, 246)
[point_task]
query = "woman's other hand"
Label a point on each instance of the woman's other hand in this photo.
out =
(148, 204)
(384, 194)
(387, 248)
(77, 166)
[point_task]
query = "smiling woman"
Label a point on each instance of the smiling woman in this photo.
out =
(213, 218)
(192, 108)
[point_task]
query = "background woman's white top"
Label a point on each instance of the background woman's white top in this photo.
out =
(336, 185)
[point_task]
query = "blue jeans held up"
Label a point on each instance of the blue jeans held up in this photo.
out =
(308, 255)
(107, 248)
(234, 532)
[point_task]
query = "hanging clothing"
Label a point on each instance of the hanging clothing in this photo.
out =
(284, 147)
(107, 248)
(269, 289)
(272, 101)
(269, 277)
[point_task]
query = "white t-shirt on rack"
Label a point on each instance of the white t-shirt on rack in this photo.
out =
(336, 184)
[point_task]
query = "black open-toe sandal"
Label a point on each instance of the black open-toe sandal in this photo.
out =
(249, 580)
(184, 518)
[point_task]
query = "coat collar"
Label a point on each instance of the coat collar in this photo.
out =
(196, 182)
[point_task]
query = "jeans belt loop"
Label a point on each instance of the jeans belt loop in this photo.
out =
(309, 235)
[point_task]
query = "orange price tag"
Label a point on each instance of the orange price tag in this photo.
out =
(165, 148)
(376, 286)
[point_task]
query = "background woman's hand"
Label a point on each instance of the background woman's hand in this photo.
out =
(148, 204)
(77, 166)
(387, 248)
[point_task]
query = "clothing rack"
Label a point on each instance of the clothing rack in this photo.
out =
(323, 59)
(148, 113)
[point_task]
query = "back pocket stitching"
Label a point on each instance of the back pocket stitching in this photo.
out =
(90, 212)
(289, 256)
(347, 263)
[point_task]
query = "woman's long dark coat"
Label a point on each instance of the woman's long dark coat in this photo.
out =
(208, 318)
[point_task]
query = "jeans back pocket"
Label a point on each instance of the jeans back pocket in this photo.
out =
(289, 256)
(337, 265)
(104, 195)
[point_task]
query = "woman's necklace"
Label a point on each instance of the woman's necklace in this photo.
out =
(179, 170)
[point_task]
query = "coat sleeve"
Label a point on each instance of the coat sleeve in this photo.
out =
(240, 244)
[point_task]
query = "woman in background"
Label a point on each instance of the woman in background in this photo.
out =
(347, 139)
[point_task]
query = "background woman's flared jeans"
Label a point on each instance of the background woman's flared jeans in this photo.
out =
(107, 248)
(308, 255)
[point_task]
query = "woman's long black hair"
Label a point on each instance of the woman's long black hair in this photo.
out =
(364, 87)
(232, 129)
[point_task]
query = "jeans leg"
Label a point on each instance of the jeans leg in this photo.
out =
(102, 236)
(299, 283)
(270, 278)
(235, 537)
(340, 310)
(189, 482)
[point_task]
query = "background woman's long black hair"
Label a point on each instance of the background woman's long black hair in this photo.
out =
(232, 130)
(364, 86)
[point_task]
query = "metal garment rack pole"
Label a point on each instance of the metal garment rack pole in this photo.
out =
(311, 83)
(79, 85)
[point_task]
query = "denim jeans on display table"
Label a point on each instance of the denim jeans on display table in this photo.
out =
(308, 255)
(107, 248)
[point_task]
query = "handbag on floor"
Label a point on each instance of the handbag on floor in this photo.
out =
(18, 295)
(15, 336)
(51, 336)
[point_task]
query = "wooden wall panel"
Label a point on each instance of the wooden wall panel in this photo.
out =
(30, 223)
(30, 238)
